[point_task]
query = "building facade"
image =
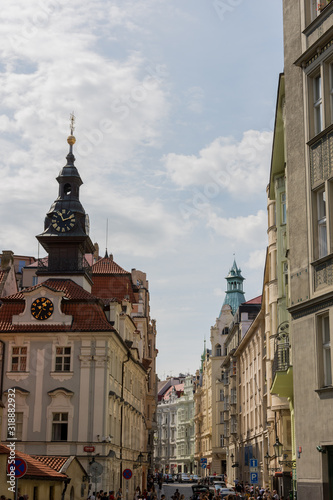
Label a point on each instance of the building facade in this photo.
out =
(308, 69)
(80, 367)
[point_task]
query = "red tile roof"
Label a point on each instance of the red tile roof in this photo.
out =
(55, 463)
(86, 309)
(35, 468)
(111, 281)
(108, 266)
(256, 300)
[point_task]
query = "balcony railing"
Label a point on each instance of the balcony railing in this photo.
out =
(59, 265)
(281, 361)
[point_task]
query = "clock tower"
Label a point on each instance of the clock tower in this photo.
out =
(66, 228)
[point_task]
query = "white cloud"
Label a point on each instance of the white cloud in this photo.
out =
(256, 259)
(238, 167)
(194, 97)
(250, 229)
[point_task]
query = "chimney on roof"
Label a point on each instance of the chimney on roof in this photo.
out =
(7, 259)
(96, 252)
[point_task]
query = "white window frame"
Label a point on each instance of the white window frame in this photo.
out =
(63, 420)
(317, 104)
(60, 404)
(20, 357)
(321, 223)
(61, 358)
(284, 208)
(324, 354)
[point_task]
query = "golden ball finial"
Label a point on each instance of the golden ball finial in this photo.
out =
(71, 140)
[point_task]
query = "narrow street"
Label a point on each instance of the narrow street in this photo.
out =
(183, 488)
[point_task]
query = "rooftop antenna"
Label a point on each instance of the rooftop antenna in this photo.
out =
(106, 238)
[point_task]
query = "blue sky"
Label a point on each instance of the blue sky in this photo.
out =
(174, 103)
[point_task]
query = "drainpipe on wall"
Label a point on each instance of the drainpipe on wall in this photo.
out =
(121, 417)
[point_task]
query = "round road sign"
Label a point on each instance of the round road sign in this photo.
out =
(20, 467)
(96, 468)
(127, 474)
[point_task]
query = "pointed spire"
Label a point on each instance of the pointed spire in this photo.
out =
(71, 141)
(234, 296)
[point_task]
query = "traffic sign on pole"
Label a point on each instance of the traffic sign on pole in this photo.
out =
(127, 473)
(254, 478)
(253, 463)
(20, 467)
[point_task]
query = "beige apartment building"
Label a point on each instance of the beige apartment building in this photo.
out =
(308, 69)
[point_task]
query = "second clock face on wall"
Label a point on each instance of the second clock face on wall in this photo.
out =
(63, 220)
(42, 308)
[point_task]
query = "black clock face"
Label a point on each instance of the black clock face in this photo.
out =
(42, 308)
(63, 220)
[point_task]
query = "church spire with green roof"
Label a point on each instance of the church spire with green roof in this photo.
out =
(234, 296)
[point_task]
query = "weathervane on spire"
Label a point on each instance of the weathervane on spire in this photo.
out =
(71, 139)
(72, 120)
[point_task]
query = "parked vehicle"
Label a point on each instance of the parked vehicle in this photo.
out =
(183, 478)
(219, 486)
(167, 478)
(224, 492)
(216, 479)
(194, 478)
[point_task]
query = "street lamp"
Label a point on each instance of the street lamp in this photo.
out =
(232, 457)
(278, 447)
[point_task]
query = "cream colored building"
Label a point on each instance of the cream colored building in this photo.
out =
(308, 69)
(203, 414)
(241, 437)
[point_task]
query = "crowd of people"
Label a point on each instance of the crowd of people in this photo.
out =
(111, 495)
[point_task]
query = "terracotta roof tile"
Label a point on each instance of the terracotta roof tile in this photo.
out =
(113, 287)
(54, 462)
(86, 309)
(256, 300)
(71, 290)
(35, 468)
(108, 266)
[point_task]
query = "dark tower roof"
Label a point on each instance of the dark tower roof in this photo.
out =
(234, 296)
(66, 227)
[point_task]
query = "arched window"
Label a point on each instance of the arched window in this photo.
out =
(218, 351)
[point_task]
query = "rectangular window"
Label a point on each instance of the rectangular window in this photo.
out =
(34, 280)
(18, 427)
(63, 359)
(221, 417)
(285, 274)
(60, 427)
(317, 105)
(331, 90)
(21, 265)
(283, 209)
(326, 350)
(19, 359)
(221, 441)
(321, 223)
